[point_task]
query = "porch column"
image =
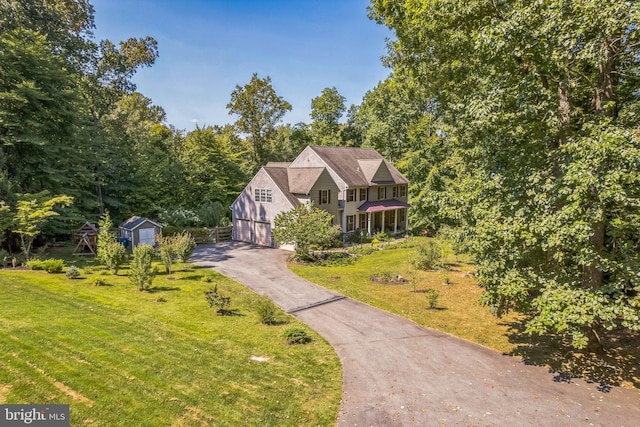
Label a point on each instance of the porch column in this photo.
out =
(369, 223)
(395, 221)
(382, 225)
(406, 220)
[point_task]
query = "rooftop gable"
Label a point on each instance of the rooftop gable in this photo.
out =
(358, 167)
(301, 180)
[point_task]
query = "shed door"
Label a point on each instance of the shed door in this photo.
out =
(148, 236)
(243, 230)
(263, 233)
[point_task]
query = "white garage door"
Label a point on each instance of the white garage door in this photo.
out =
(242, 230)
(147, 236)
(263, 233)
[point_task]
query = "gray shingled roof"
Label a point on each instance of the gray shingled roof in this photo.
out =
(302, 179)
(344, 162)
(136, 221)
(279, 175)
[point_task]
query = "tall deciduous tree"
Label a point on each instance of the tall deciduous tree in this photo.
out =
(326, 111)
(541, 101)
(259, 110)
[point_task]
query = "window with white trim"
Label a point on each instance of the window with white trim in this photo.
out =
(394, 192)
(351, 223)
(363, 194)
(324, 197)
(403, 191)
(363, 221)
(382, 193)
(263, 195)
(351, 195)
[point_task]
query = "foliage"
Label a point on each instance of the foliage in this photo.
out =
(48, 265)
(141, 272)
(432, 296)
(185, 245)
(167, 249)
(297, 336)
(428, 255)
(32, 212)
(305, 227)
(259, 109)
(99, 281)
(221, 302)
(326, 111)
(537, 105)
(72, 272)
(110, 252)
(267, 311)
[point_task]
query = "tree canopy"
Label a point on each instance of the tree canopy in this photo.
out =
(537, 100)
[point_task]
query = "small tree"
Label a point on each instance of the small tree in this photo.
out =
(32, 212)
(110, 252)
(428, 255)
(141, 273)
(185, 245)
(167, 248)
(305, 227)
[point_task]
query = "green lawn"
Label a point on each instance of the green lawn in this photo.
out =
(122, 357)
(458, 311)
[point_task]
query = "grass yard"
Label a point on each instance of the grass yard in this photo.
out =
(122, 357)
(460, 313)
(458, 310)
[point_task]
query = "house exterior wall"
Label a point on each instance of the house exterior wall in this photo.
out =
(245, 207)
(325, 182)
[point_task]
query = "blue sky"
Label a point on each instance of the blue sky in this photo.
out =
(207, 47)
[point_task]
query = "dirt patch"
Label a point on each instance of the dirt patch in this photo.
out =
(4, 391)
(60, 386)
(388, 279)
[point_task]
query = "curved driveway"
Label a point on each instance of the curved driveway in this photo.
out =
(396, 373)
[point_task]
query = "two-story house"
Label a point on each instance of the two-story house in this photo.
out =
(357, 186)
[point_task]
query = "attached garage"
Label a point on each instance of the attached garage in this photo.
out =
(242, 230)
(262, 233)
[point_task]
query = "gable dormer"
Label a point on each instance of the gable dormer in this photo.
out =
(375, 171)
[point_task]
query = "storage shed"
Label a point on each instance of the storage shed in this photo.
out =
(137, 230)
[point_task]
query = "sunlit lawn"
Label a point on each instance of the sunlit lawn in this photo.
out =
(458, 310)
(460, 313)
(122, 357)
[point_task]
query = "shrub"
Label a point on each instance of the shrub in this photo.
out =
(267, 311)
(296, 336)
(73, 272)
(185, 245)
(167, 250)
(432, 297)
(220, 301)
(99, 281)
(49, 265)
(141, 274)
(428, 256)
(35, 264)
(110, 252)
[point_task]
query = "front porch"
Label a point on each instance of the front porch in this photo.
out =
(384, 216)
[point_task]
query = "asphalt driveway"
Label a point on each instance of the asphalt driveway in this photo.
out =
(396, 373)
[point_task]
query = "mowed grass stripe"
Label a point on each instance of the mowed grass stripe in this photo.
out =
(142, 362)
